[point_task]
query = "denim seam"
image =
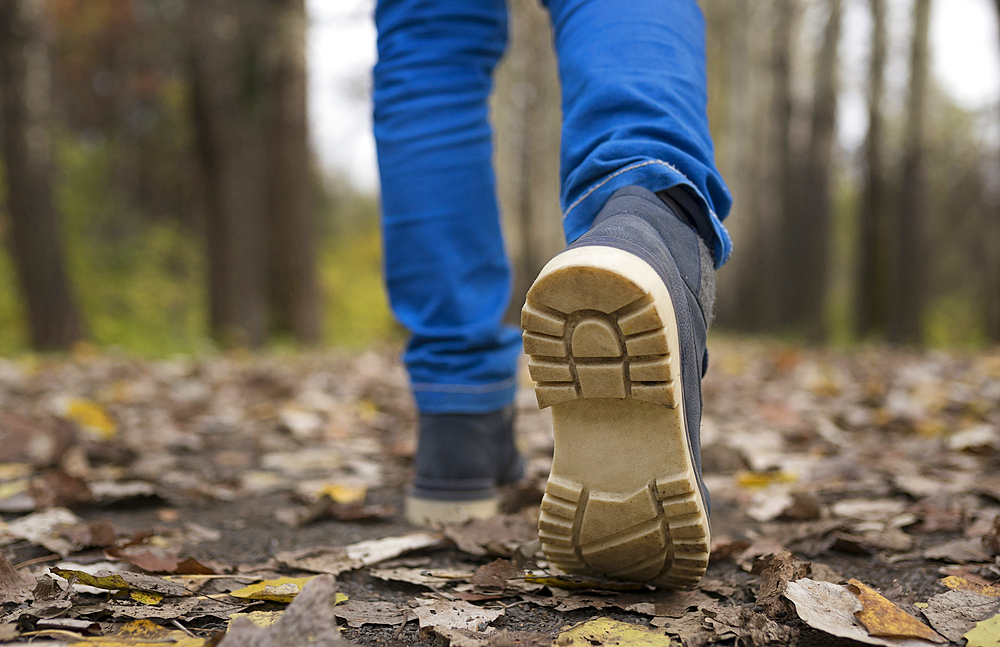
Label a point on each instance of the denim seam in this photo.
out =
(631, 167)
(425, 387)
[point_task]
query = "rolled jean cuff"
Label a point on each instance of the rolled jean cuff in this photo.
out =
(464, 398)
(654, 175)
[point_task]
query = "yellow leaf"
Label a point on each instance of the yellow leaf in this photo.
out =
(961, 584)
(144, 597)
(144, 633)
(984, 634)
(7, 490)
(342, 493)
(605, 631)
(92, 417)
(11, 471)
(283, 589)
(132, 582)
(763, 479)
(262, 619)
(883, 618)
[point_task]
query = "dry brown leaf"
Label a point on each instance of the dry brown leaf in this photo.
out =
(358, 613)
(883, 618)
(775, 572)
(954, 613)
(14, 586)
(498, 536)
(495, 574)
(957, 583)
(456, 614)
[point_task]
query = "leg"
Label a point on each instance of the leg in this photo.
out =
(634, 110)
(616, 325)
(446, 269)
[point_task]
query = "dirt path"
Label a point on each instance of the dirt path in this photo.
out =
(877, 466)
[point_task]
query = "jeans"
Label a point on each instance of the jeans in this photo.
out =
(634, 113)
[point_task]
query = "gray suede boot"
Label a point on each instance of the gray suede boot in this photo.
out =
(460, 461)
(615, 329)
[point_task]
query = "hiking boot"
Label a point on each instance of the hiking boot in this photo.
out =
(615, 330)
(461, 459)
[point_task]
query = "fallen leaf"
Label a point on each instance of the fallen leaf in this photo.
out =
(56, 488)
(605, 631)
(959, 551)
(456, 614)
(431, 578)
(259, 618)
(985, 633)
(748, 625)
(14, 586)
(92, 417)
(364, 553)
(283, 589)
(44, 528)
(172, 608)
(954, 613)
(462, 638)
(830, 608)
(991, 540)
(146, 634)
(358, 613)
(775, 572)
(495, 574)
(124, 581)
(961, 584)
(883, 618)
(309, 620)
(498, 536)
(662, 603)
(868, 509)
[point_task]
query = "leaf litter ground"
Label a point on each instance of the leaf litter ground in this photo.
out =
(244, 500)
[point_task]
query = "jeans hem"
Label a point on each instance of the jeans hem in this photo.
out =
(450, 401)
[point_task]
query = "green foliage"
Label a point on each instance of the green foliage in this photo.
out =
(140, 283)
(356, 306)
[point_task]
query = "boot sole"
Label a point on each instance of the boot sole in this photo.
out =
(622, 499)
(431, 513)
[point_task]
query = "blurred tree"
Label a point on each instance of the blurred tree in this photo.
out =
(992, 284)
(526, 117)
(249, 94)
(777, 247)
(229, 98)
(35, 237)
(871, 291)
(907, 276)
(807, 229)
(291, 222)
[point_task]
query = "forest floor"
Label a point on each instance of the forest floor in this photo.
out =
(855, 497)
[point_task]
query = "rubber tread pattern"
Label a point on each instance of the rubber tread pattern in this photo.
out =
(659, 534)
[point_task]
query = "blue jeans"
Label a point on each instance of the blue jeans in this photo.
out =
(634, 113)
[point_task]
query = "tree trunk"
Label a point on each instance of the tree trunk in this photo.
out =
(871, 290)
(526, 115)
(35, 241)
(991, 298)
(908, 279)
(775, 246)
(291, 222)
(229, 101)
(807, 229)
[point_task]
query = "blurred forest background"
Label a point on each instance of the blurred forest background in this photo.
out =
(160, 193)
